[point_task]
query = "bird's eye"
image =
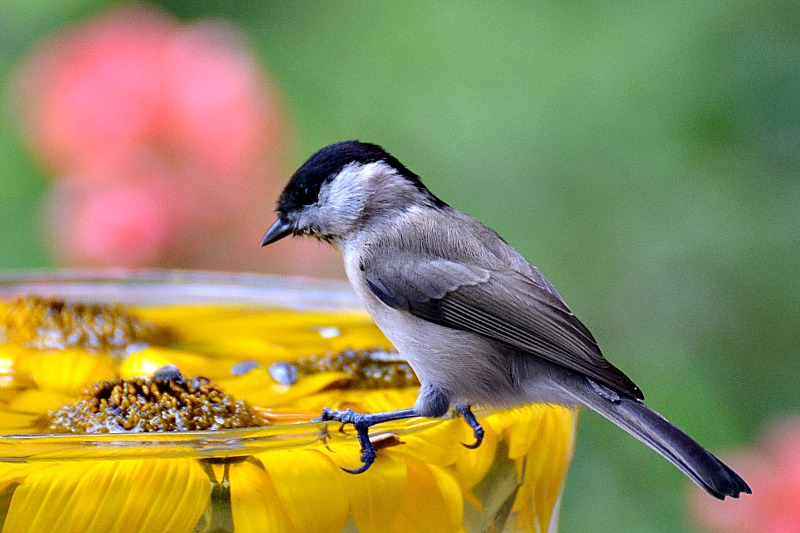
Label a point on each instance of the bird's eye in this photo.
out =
(310, 194)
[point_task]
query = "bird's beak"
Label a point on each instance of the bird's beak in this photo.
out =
(276, 232)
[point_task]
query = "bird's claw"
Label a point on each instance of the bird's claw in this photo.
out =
(361, 423)
(368, 456)
(477, 430)
(474, 445)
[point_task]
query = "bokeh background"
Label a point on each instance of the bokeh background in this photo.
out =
(644, 155)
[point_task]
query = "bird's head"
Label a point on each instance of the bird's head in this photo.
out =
(342, 188)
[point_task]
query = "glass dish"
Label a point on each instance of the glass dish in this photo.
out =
(286, 476)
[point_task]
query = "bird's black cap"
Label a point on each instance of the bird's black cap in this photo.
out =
(303, 188)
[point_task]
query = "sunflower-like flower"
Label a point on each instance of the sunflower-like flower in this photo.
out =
(285, 474)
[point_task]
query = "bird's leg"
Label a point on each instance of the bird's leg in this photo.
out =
(362, 422)
(477, 430)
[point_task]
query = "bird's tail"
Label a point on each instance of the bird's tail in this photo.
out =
(700, 465)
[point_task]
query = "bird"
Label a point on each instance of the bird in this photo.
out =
(478, 323)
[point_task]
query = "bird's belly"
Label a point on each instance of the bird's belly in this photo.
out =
(464, 366)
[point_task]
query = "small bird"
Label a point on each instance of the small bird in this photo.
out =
(478, 323)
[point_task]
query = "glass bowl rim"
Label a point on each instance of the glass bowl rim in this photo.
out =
(160, 286)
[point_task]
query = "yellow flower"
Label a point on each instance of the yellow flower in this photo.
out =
(284, 478)
(131, 495)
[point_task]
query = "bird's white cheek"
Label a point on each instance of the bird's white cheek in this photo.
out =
(304, 221)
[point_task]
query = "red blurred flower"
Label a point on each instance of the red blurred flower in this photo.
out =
(773, 471)
(166, 139)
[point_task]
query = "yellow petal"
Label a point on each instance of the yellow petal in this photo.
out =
(143, 363)
(134, 495)
(258, 388)
(376, 401)
(270, 335)
(34, 401)
(147, 361)
(9, 352)
(255, 504)
(433, 501)
(546, 468)
(362, 401)
(360, 337)
(472, 466)
(7, 372)
(263, 323)
(521, 428)
(309, 487)
(246, 347)
(13, 473)
(440, 444)
(18, 423)
(282, 319)
(69, 371)
(185, 314)
(374, 494)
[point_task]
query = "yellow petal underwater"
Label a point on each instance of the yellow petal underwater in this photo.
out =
(440, 444)
(258, 388)
(520, 428)
(13, 473)
(265, 324)
(363, 401)
(147, 361)
(254, 501)
(8, 354)
(69, 371)
(472, 466)
(110, 496)
(34, 401)
(310, 488)
(143, 363)
(246, 347)
(433, 502)
(18, 423)
(373, 495)
(545, 468)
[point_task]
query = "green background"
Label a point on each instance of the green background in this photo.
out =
(644, 155)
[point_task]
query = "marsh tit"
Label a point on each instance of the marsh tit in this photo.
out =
(477, 322)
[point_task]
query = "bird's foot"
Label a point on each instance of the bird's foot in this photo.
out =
(362, 422)
(465, 411)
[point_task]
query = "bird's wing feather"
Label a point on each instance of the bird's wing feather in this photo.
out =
(502, 305)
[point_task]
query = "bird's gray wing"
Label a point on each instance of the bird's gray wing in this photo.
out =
(502, 305)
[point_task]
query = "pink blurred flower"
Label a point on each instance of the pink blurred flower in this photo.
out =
(772, 470)
(97, 87)
(165, 139)
(133, 219)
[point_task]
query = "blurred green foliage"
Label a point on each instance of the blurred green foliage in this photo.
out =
(645, 155)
